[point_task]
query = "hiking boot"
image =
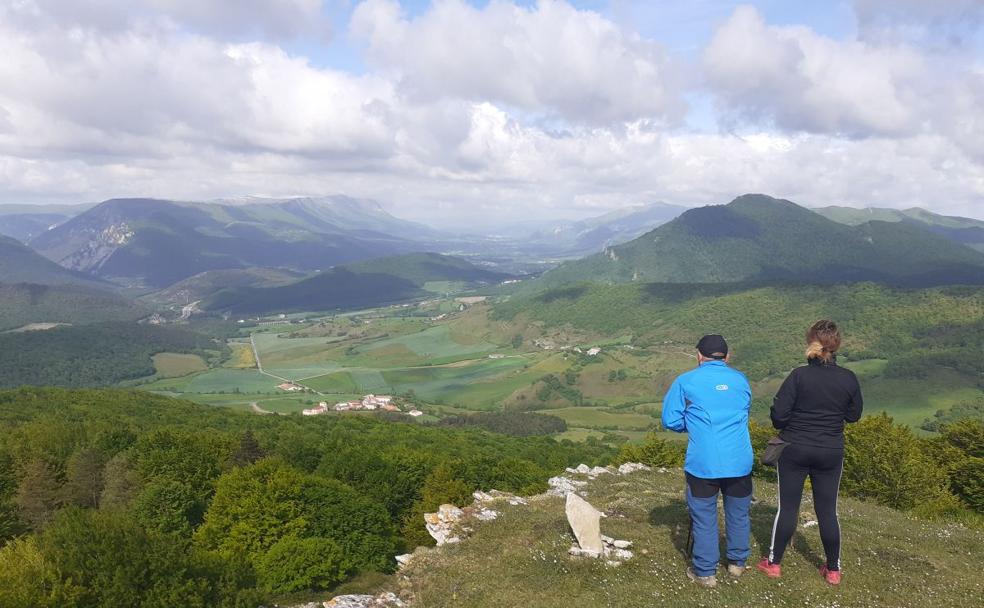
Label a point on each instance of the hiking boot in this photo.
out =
(832, 577)
(771, 570)
(704, 581)
(736, 570)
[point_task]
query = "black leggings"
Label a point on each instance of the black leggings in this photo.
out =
(824, 467)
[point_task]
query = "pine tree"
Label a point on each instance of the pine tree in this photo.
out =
(249, 450)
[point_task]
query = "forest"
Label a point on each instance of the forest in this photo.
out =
(112, 497)
(93, 355)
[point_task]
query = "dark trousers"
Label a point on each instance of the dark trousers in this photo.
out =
(702, 502)
(823, 466)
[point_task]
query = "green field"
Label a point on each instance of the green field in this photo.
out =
(173, 365)
(603, 418)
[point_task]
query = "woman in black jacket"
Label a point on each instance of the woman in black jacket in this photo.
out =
(810, 410)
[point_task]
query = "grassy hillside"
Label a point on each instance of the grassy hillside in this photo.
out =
(360, 285)
(757, 237)
(204, 284)
(520, 559)
(23, 222)
(765, 324)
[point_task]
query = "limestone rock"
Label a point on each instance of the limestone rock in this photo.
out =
(404, 560)
(384, 600)
(632, 467)
(598, 471)
(562, 486)
(585, 522)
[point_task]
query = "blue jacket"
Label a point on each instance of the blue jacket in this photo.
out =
(711, 403)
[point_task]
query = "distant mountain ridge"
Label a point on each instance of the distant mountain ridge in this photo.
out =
(371, 283)
(618, 226)
(24, 222)
(757, 237)
(159, 242)
(964, 230)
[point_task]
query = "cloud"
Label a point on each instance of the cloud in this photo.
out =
(556, 119)
(549, 59)
(273, 19)
(799, 80)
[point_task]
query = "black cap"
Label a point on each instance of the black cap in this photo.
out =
(713, 346)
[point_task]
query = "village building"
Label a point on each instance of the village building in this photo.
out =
(290, 386)
(316, 411)
(415, 413)
(594, 351)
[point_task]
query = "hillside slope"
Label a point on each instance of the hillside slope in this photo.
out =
(370, 283)
(21, 264)
(520, 559)
(757, 237)
(158, 243)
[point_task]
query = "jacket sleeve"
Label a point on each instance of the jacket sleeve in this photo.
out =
(856, 406)
(782, 405)
(674, 405)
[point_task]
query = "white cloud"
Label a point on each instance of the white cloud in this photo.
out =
(550, 59)
(267, 18)
(89, 112)
(799, 80)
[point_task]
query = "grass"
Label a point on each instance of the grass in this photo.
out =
(602, 418)
(217, 380)
(520, 559)
(173, 365)
(338, 382)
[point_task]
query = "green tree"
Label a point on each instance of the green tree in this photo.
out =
(84, 478)
(967, 436)
(39, 494)
(120, 483)
(301, 564)
(249, 450)
(967, 481)
(654, 452)
(168, 506)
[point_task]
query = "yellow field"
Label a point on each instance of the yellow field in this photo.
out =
(173, 365)
(242, 356)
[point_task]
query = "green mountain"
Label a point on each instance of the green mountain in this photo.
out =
(370, 283)
(33, 289)
(757, 237)
(206, 283)
(24, 222)
(21, 264)
(157, 242)
(962, 230)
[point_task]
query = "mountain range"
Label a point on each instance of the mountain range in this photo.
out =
(157, 242)
(592, 234)
(757, 237)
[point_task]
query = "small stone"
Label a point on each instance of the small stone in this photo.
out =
(579, 552)
(622, 554)
(622, 544)
(608, 540)
(598, 471)
(583, 469)
(404, 559)
(632, 467)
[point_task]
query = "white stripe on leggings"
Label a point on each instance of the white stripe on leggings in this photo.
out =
(837, 515)
(772, 545)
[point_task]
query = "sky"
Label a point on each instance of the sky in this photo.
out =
(463, 112)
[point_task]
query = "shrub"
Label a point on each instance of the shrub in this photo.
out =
(886, 463)
(655, 452)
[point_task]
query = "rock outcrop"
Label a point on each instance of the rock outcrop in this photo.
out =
(585, 521)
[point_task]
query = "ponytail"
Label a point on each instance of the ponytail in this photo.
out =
(824, 339)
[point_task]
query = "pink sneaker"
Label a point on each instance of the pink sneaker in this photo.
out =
(771, 570)
(831, 576)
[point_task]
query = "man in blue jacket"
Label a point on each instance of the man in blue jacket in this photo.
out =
(711, 404)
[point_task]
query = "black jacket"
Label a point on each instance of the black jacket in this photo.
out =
(814, 402)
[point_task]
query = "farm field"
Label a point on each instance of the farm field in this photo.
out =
(171, 365)
(464, 362)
